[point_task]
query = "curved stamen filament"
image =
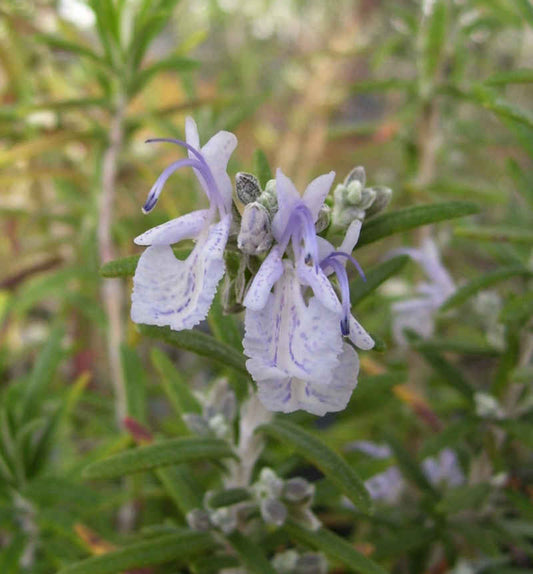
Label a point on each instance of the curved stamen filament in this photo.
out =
(344, 286)
(155, 192)
(201, 165)
(300, 227)
(347, 256)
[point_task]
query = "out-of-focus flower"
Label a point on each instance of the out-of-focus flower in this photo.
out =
(297, 354)
(443, 469)
(418, 313)
(168, 291)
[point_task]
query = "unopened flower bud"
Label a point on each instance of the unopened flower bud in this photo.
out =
(285, 562)
(383, 196)
(368, 196)
(269, 197)
(323, 219)
(225, 519)
(297, 490)
(273, 511)
(269, 484)
(198, 519)
(247, 187)
(219, 425)
(357, 174)
(255, 235)
(311, 563)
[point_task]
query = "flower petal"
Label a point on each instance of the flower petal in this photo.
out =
(352, 236)
(187, 226)
(320, 284)
(175, 293)
(316, 192)
(217, 152)
(288, 337)
(288, 394)
(358, 336)
(270, 271)
(288, 196)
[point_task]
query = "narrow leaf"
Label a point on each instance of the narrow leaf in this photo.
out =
(329, 462)
(333, 546)
(482, 282)
(412, 217)
(517, 76)
(136, 383)
(163, 453)
(179, 546)
(199, 343)
(251, 554)
(359, 289)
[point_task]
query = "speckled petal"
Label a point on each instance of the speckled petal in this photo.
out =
(175, 293)
(316, 193)
(358, 336)
(288, 337)
(270, 271)
(289, 394)
(320, 284)
(188, 226)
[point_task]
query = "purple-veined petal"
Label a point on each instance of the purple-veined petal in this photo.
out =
(187, 226)
(316, 193)
(175, 293)
(217, 152)
(289, 337)
(320, 284)
(288, 197)
(270, 271)
(352, 237)
(289, 394)
(358, 336)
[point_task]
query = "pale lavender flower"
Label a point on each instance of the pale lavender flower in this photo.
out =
(298, 357)
(418, 313)
(443, 469)
(178, 293)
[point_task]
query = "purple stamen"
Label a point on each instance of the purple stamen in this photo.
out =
(344, 286)
(200, 164)
(347, 256)
(155, 192)
(300, 227)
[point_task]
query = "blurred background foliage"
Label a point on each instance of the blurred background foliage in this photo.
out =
(433, 98)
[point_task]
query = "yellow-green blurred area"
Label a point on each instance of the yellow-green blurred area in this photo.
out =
(434, 99)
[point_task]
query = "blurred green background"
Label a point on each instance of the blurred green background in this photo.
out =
(433, 98)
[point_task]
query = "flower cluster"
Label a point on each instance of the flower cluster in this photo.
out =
(300, 334)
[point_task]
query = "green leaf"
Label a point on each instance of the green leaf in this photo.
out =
(464, 497)
(451, 436)
(251, 554)
(329, 462)
(175, 63)
(482, 282)
(518, 310)
(333, 546)
(163, 453)
(433, 39)
(136, 383)
(199, 343)
(495, 233)
(67, 46)
(42, 373)
(517, 76)
(125, 266)
(214, 564)
(410, 468)
(179, 546)
(359, 289)
(386, 85)
(181, 487)
(262, 168)
(176, 389)
(412, 217)
(228, 497)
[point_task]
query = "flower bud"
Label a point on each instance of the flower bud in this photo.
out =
(273, 511)
(311, 563)
(269, 484)
(255, 235)
(247, 187)
(383, 196)
(323, 219)
(198, 519)
(197, 424)
(297, 490)
(225, 519)
(285, 562)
